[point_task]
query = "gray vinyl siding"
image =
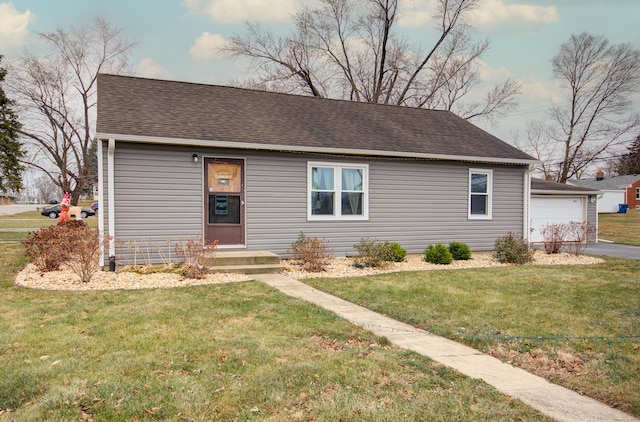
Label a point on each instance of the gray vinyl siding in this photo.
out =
(415, 203)
(159, 199)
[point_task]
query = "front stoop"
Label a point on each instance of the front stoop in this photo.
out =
(243, 262)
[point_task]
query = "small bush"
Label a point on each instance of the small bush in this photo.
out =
(191, 251)
(578, 234)
(438, 254)
(553, 236)
(459, 251)
(312, 252)
(42, 247)
(396, 251)
(72, 243)
(372, 253)
(513, 249)
(83, 250)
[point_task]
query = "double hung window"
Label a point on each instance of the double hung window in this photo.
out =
(480, 194)
(337, 191)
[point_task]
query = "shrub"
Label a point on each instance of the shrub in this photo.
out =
(42, 247)
(460, 251)
(83, 251)
(72, 243)
(553, 236)
(46, 247)
(438, 254)
(578, 234)
(372, 253)
(512, 249)
(396, 251)
(191, 252)
(312, 252)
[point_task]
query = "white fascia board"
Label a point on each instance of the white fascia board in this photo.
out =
(289, 148)
(563, 192)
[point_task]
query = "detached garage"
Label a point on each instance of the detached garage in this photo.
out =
(558, 203)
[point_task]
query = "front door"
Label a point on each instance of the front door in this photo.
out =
(224, 201)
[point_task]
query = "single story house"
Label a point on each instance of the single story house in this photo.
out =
(616, 191)
(253, 169)
(559, 203)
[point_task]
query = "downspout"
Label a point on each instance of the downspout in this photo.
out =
(526, 211)
(111, 200)
(101, 198)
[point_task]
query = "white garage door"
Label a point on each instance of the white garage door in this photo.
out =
(555, 210)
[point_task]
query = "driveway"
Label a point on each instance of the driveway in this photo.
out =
(612, 249)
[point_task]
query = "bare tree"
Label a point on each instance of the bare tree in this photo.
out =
(350, 49)
(536, 142)
(46, 189)
(56, 94)
(599, 80)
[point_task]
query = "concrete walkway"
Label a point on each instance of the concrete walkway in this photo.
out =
(552, 400)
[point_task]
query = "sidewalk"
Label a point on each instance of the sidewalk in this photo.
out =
(552, 400)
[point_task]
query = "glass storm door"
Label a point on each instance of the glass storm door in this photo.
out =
(224, 201)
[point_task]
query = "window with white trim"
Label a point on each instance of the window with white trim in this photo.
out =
(480, 194)
(337, 191)
(637, 194)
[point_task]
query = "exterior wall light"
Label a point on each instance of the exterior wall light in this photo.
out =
(195, 158)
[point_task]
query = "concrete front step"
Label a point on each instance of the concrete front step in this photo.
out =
(248, 269)
(243, 262)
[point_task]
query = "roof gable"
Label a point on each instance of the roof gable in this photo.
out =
(146, 109)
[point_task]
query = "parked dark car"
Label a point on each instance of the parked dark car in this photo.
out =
(54, 201)
(94, 207)
(54, 212)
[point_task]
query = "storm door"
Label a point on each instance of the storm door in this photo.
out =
(224, 201)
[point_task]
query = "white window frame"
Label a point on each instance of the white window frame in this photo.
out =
(637, 194)
(337, 181)
(489, 194)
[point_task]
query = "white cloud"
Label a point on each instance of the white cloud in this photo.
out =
(551, 91)
(13, 25)
(207, 46)
(238, 11)
(490, 13)
(511, 17)
(415, 13)
(149, 68)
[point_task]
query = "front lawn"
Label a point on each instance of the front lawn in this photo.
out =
(620, 228)
(578, 326)
(238, 351)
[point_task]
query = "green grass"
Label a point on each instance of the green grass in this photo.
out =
(620, 228)
(30, 220)
(239, 351)
(578, 326)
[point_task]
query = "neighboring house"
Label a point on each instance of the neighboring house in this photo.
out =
(559, 203)
(615, 190)
(6, 200)
(253, 169)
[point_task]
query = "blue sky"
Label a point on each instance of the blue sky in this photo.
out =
(176, 38)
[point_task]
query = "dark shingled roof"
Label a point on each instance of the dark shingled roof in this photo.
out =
(130, 108)
(608, 183)
(541, 186)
